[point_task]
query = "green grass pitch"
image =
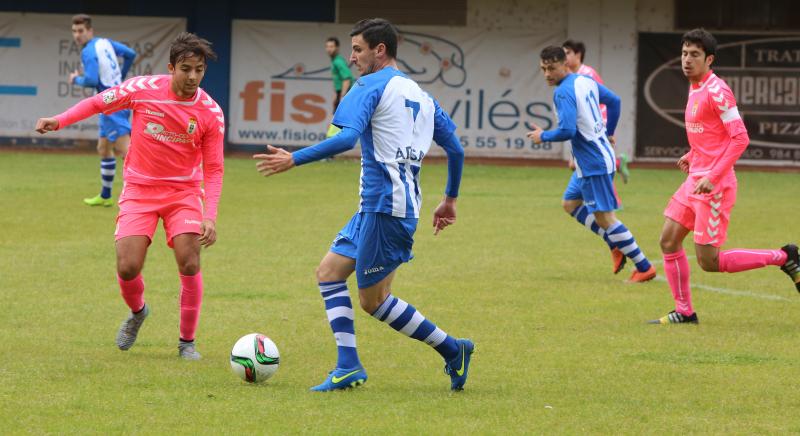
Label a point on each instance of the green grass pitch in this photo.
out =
(563, 347)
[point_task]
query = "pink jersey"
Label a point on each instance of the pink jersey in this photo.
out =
(586, 70)
(174, 141)
(716, 132)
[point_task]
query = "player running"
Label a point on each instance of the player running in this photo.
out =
(396, 121)
(703, 203)
(101, 71)
(577, 99)
(576, 52)
(173, 171)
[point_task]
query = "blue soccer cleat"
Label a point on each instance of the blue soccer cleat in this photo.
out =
(342, 379)
(458, 367)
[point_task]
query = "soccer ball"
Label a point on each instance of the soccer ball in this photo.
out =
(254, 358)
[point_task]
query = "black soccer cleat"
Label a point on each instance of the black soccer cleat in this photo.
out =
(676, 318)
(792, 265)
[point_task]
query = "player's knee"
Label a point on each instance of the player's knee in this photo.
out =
(189, 266)
(568, 206)
(128, 269)
(708, 264)
(325, 273)
(669, 245)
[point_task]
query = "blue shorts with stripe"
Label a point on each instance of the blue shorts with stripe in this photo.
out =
(114, 125)
(378, 242)
(598, 193)
(573, 191)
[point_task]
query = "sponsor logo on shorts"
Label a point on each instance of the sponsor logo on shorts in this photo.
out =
(696, 233)
(188, 221)
(109, 96)
(373, 270)
(155, 113)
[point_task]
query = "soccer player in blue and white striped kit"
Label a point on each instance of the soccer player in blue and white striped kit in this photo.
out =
(101, 71)
(396, 121)
(577, 99)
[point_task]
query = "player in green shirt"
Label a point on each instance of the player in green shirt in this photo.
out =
(342, 77)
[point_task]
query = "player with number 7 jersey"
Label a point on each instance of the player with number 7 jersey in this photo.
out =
(173, 172)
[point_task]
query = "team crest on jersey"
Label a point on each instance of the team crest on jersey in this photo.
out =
(694, 109)
(109, 96)
(192, 126)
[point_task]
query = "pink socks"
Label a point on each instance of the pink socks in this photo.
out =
(191, 299)
(676, 268)
(132, 292)
(739, 259)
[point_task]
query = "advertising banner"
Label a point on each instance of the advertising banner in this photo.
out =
(761, 70)
(489, 82)
(37, 54)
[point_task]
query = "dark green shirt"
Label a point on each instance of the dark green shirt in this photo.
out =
(340, 72)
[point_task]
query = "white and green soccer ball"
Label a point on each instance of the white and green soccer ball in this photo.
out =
(255, 358)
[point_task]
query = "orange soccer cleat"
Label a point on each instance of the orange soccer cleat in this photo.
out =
(618, 260)
(641, 277)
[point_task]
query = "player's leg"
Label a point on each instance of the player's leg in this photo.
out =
(679, 220)
(121, 146)
(714, 211)
(183, 216)
(386, 243)
(332, 274)
(676, 266)
(598, 194)
(131, 252)
(572, 202)
(107, 168)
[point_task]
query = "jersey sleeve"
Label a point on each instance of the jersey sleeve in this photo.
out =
(213, 148)
(111, 100)
(444, 134)
(91, 74)
(614, 107)
(342, 69)
(721, 99)
(567, 109)
(357, 106)
(127, 54)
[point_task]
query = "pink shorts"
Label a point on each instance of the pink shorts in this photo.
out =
(707, 214)
(140, 207)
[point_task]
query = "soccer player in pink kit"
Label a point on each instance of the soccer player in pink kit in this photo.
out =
(173, 171)
(703, 203)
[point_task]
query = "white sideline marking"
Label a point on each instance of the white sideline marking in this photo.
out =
(727, 291)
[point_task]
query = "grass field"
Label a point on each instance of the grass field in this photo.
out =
(563, 347)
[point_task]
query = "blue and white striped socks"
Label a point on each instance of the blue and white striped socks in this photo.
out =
(402, 317)
(108, 166)
(582, 215)
(341, 316)
(623, 239)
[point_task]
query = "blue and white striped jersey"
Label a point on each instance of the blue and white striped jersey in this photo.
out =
(577, 99)
(396, 121)
(101, 68)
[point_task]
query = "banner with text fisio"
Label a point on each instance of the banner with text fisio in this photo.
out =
(37, 54)
(282, 91)
(761, 70)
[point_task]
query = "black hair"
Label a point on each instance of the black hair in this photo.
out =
(376, 31)
(701, 38)
(577, 47)
(187, 45)
(552, 54)
(334, 40)
(82, 19)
